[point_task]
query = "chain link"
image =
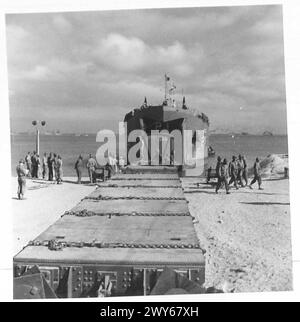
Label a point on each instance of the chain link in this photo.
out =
(60, 245)
(88, 213)
(137, 186)
(133, 198)
(156, 179)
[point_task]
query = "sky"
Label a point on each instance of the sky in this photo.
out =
(82, 72)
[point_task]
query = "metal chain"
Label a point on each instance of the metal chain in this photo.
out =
(132, 198)
(88, 213)
(162, 179)
(60, 245)
(137, 186)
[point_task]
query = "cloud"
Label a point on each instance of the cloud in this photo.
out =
(122, 53)
(222, 58)
(133, 54)
(62, 24)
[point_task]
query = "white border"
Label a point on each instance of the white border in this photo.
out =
(291, 11)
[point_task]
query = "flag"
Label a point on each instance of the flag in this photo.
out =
(172, 89)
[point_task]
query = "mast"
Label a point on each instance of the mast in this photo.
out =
(166, 86)
(167, 78)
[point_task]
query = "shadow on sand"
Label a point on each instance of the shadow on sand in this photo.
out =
(200, 191)
(275, 179)
(85, 183)
(266, 203)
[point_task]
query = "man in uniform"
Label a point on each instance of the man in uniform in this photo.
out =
(44, 172)
(21, 172)
(54, 166)
(257, 175)
(50, 167)
(233, 172)
(91, 166)
(240, 166)
(245, 170)
(59, 170)
(34, 166)
(219, 163)
(223, 177)
(78, 168)
(28, 163)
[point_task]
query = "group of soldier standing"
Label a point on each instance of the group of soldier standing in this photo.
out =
(236, 173)
(50, 166)
(33, 167)
(91, 167)
(113, 166)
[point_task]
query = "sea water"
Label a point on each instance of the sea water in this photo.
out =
(69, 147)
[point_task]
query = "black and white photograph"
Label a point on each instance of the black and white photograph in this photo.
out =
(149, 152)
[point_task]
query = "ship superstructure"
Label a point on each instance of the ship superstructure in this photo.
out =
(169, 117)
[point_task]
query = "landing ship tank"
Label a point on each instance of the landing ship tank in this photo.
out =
(118, 240)
(162, 120)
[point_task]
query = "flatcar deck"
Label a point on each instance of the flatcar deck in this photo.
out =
(123, 233)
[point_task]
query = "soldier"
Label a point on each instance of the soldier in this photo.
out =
(28, 163)
(59, 171)
(257, 175)
(245, 170)
(78, 168)
(44, 171)
(209, 170)
(54, 166)
(21, 172)
(50, 167)
(38, 166)
(240, 166)
(223, 176)
(91, 166)
(219, 163)
(34, 165)
(233, 172)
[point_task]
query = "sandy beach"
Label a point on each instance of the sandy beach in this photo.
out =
(246, 235)
(44, 203)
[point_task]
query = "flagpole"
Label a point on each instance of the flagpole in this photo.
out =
(165, 87)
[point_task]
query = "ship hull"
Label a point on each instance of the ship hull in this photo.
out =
(165, 119)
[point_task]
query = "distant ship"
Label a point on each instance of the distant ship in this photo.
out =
(168, 116)
(267, 133)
